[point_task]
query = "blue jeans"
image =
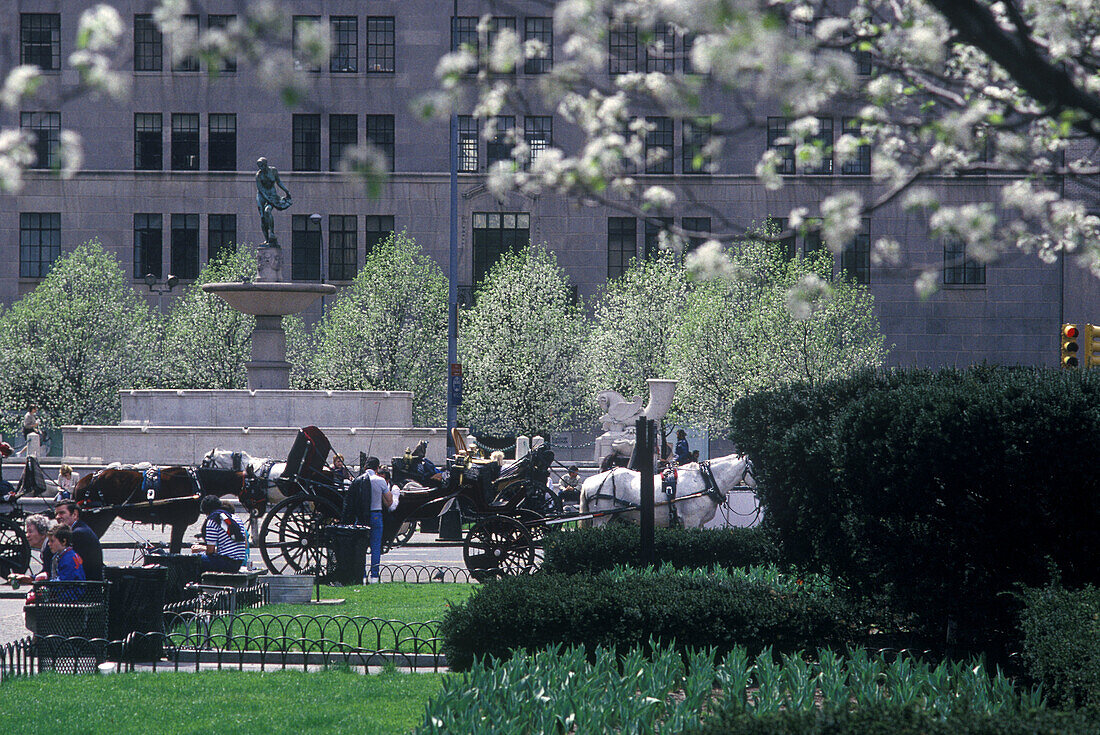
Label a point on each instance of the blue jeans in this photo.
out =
(375, 542)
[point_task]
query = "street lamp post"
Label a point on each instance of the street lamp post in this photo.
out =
(315, 218)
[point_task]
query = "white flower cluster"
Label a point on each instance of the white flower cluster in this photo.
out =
(709, 261)
(841, 219)
(807, 296)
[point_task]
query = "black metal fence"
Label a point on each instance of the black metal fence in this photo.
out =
(424, 574)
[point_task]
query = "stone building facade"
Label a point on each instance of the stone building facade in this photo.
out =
(168, 178)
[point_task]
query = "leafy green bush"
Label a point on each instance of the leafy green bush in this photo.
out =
(939, 491)
(625, 608)
(890, 720)
(590, 550)
(660, 689)
(1061, 631)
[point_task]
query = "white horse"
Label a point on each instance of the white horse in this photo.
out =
(266, 470)
(707, 483)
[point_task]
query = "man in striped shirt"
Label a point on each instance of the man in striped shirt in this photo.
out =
(225, 548)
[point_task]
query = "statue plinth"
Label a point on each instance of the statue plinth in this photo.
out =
(270, 259)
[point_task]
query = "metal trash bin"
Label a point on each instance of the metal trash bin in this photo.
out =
(182, 570)
(137, 607)
(65, 617)
(348, 547)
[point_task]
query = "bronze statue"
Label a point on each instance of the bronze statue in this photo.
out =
(267, 178)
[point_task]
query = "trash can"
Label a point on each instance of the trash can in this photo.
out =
(137, 606)
(450, 525)
(69, 622)
(348, 546)
(182, 570)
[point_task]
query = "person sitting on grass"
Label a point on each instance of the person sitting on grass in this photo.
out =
(225, 547)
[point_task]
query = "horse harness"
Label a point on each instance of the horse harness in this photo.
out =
(149, 486)
(669, 480)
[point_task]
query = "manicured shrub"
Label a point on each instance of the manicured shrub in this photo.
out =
(1061, 630)
(936, 491)
(590, 550)
(625, 608)
(888, 720)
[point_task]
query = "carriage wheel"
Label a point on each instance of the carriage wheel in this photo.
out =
(536, 526)
(404, 535)
(290, 536)
(15, 550)
(498, 546)
(543, 501)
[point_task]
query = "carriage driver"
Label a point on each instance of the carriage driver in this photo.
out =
(225, 548)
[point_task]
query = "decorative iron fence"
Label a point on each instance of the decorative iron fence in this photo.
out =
(424, 574)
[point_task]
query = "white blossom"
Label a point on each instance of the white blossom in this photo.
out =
(21, 82)
(807, 296)
(840, 219)
(70, 153)
(886, 251)
(658, 198)
(709, 261)
(99, 28)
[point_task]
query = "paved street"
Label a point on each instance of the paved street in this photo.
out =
(423, 549)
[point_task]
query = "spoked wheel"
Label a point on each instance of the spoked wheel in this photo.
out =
(290, 536)
(404, 535)
(15, 550)
(498, 546)
(539, 499)
(536, 526)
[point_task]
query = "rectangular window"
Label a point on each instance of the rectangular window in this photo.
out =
(189, 63)
(622, 244)
(500, 147)
(39, 243)
(221, 235)
(379, 228)
(700, 227)
(863, 63)
(622, 47)
(777, 131)
(787, 246)
(464, 35)
(343, 134)
(958, 267)
(345, 44)
(185, 246)
(223, 142)
(343, 247)
(46, 127)
(824, 141)
(541, 30)
(687, 43)
(658, 145)
(538, 133)
(380, 135)
(651, 245)
(696, 134)
(661, 51)
(381, 49)
(148, 44)
(467, 144)
(496, 233)
(861, 163)
(185, 142)
(855, 260)
(303, 26)
(814, 240)
(306, 141)
(305, 248)
(222, 23)
(496, 25)
(147, 246)
(148, 142)
(40, 40)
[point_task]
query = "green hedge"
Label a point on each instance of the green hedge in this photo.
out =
(591, 550)
(939, 491)
(625, 608)
(893, 721)
(1062, 643)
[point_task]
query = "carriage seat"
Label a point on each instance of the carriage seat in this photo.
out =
(140, 466)
(412, 486)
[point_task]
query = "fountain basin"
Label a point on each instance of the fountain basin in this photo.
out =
(269, 299)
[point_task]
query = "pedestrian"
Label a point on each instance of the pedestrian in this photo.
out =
(569, 488)
(224, 549)
(363, 504)
(31, 423)
(66, 483)
(84, 539)
(683, 452)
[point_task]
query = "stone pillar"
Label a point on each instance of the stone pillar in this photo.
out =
(268, 369)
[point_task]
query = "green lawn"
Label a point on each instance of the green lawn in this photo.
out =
(298, 627)
(216, 702)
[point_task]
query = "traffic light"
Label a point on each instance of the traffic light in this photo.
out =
(1070, 334)
(1090, 342)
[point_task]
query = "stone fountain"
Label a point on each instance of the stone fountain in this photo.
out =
(180, 426)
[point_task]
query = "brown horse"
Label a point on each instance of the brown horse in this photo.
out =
(160, 495)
